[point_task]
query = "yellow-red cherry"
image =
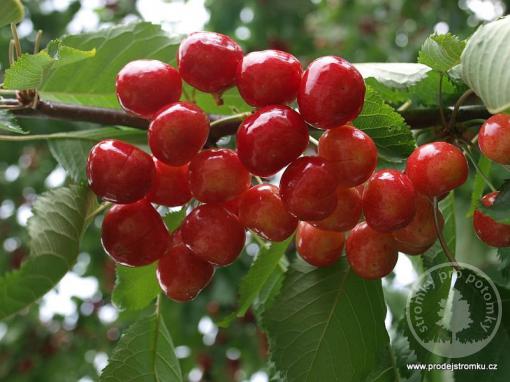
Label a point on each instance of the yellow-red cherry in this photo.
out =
(488, 230)
(217, 175)
(270, 139)
(268, 77)
(319, 247)
(134, 234)
(419, 235)
(437, 168)
(213, 234)
(331, 93)
(143, 87)
(208, 61)
(389, 200)
(181, 274)
(261, 210)
(170, 186)
(178, 133)
(351, 153)
(372, 254)
(494, 138)
(119, 172)
(307, 188)
(346, 214)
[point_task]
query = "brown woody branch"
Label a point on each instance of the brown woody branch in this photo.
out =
(415, 118)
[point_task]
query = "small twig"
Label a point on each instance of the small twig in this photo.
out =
(37, 42)
(15, 37)
(457, 106)
(440, 102)
(441, 238)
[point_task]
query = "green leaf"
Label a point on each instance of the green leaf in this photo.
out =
(30, 71)
(485, 64)
(485, 165)
(260, 272)
(11, 11)
(504, 265)
(500, 210)
(335, 320)
(8, 123)
(145, 353)
(386, 127)
(135, 288)
(55, 231)
(173, 219)
(441, 52)
(394, 74)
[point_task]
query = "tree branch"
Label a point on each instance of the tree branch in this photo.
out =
(416, 118)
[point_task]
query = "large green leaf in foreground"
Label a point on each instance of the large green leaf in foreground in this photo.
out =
(328, 325)
(55, 231)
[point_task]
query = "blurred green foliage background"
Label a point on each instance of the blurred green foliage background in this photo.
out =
(68, 335)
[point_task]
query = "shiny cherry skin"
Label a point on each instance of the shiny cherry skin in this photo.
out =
(217, 175)
(331, 93)
(178, 133)
(351, 152)
(144, 86)
(420, 234)
(213, 234)
(261, 209)
(346, 214)
(268, 77)
(488, 230)
(232, 205)
(389, 200)
(208, 61)
(307, 188)
(437, 168)
(494, 138)
(270, 139)
(170, 186)
(134, 234)
(119, 172)
(181, 274)
(319, 247)
(372, 254)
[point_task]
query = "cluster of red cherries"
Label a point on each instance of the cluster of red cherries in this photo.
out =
(319, 197)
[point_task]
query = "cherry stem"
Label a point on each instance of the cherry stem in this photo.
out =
(314, 141)
(37, 43)
(440, 236)
(98, 210)
(258, 179)
(15, 37)
(484, 177)
(457, 106)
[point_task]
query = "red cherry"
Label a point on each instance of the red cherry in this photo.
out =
(217, 175)
(307, 188)
(213, 234)
(346, 214)
(261, 210)
(232, 205)
(270, 139)
(352, 153)
(178, 133)
(319, 247)
(389, 200)
(269, 77)
(331, 93)
(488, 230)
(372, 254)
(119, 172)
(420, 233)
(208, 61)
(181, 274)
(170, 185)
(145, 86)
(494, 138)
(134, 234)
(437, 168)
